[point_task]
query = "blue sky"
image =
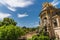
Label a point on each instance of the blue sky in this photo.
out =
(24, 12)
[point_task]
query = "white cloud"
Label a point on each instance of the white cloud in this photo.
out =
(22, 15)
(16, 3)
(3, 15)
(55, 2)
(12, 9)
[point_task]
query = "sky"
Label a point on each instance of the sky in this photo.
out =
(24, 12)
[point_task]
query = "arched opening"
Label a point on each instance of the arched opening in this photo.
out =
(45, 21)
(55, 23)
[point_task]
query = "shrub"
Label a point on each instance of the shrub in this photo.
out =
(10, 32)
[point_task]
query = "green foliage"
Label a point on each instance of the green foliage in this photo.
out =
(10, 32)
(7, 21)
(1, 23)
(35, 37)
(40, 37)
(27, 30)
(43, 35)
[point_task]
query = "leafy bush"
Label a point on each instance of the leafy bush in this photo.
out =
(42, 37)
(10, 32)
(35, 37)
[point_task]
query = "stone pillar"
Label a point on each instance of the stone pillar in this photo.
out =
(57, 21)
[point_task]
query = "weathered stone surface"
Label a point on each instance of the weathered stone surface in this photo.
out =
(50, 17)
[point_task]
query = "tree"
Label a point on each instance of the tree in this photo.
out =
(8, 21)
(10, 32)
(1, 23)
(24, 27)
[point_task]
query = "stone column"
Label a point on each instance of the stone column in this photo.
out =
(57, 21)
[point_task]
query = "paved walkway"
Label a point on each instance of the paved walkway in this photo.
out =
(28, 35)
